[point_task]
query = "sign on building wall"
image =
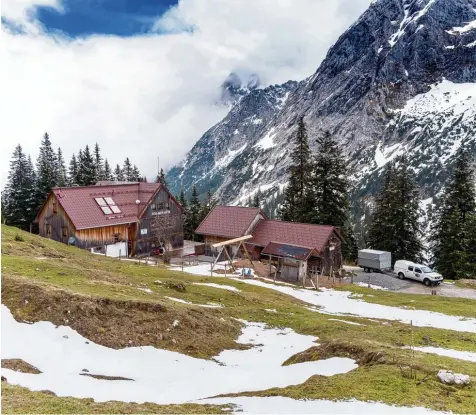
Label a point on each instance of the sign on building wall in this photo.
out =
(143, 231)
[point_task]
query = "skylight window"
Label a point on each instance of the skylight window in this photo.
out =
(107, 205)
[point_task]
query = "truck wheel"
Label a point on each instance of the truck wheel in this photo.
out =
(401, 275)
(427, 282)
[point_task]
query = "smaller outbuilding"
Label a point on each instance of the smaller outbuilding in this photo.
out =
(297, 250)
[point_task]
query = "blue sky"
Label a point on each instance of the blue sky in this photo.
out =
(105, 17)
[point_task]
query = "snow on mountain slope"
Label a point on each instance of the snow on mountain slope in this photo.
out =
(399, 80)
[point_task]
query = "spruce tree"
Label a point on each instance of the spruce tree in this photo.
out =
(135, 174)
(194, 209)
(118, 174)
(18, 199)
(209, 203)
(406, 215)
(295, 206)
(98, 164)
(161, 178)
(80, 180)
(61, 168)
(380, 232)
(454, 216)
(127, 170)
(396, 223)
(108, 176)
(87, 168)
(47, 170)
(328, 201)
(73, 171)
(257, 199)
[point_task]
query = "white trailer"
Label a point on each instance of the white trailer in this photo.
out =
(372, 260)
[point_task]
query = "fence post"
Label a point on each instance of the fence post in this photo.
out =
(225, 269)
(119, 254)
(211, 269)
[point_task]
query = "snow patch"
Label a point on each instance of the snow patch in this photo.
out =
(223, 287)
(61, 361)
(267, 141)
(282, 405)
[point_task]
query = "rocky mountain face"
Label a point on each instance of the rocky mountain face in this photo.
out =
(402, 79)
(234, 88)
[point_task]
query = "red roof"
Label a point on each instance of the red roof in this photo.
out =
(228, 221)
(83, 210)
(291, 233)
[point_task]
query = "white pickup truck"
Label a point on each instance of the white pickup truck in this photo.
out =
(418, 272)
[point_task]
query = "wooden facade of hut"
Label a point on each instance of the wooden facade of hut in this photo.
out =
(116, 219)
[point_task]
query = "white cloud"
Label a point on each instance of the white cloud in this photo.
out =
(150, 96)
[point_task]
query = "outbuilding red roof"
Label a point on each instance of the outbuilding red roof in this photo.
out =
(291, 233)
(81, 207)
(228, 221)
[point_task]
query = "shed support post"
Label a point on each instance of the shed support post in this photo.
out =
(269, 272)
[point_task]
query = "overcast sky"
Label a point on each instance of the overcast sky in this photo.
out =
(141, 77)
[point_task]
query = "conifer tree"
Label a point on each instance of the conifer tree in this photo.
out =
(61, 168)
(18, 199)
(380, 232)
(257, 199)
(135, 174)
(118, 174)
(127, 170)
(209, 203)
(187, 227)
(194, 209)
(395, 223)
(329, 198)
(80, 175)
(406, 215)
(87, 169)
(73, 171)
(98, 164)
(161, 178)
(450, 238)
(107, 171)
(47, 170)
(295, 206)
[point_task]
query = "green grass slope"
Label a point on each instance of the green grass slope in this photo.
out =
(121, 303)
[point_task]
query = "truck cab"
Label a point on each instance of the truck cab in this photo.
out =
(417, 272)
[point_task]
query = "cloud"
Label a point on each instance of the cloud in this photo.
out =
(153, 95)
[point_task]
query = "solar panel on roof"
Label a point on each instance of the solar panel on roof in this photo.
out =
(106, 210)
(109, 201)
(100, 201)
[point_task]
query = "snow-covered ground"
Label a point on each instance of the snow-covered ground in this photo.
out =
(221, 286)
(341, 303)
(159, 376)
(457, 354)
(282, 405)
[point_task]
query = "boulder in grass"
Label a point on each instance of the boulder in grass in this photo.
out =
(450, 378)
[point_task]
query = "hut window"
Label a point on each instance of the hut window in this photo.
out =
(55, 207)
(65, 231)
(48, 229)
(153, 206)
(117, 237)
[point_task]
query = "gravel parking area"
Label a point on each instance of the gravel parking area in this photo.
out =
(389, 282)
(392, 283)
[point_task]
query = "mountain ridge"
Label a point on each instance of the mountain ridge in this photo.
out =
(370, 91)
